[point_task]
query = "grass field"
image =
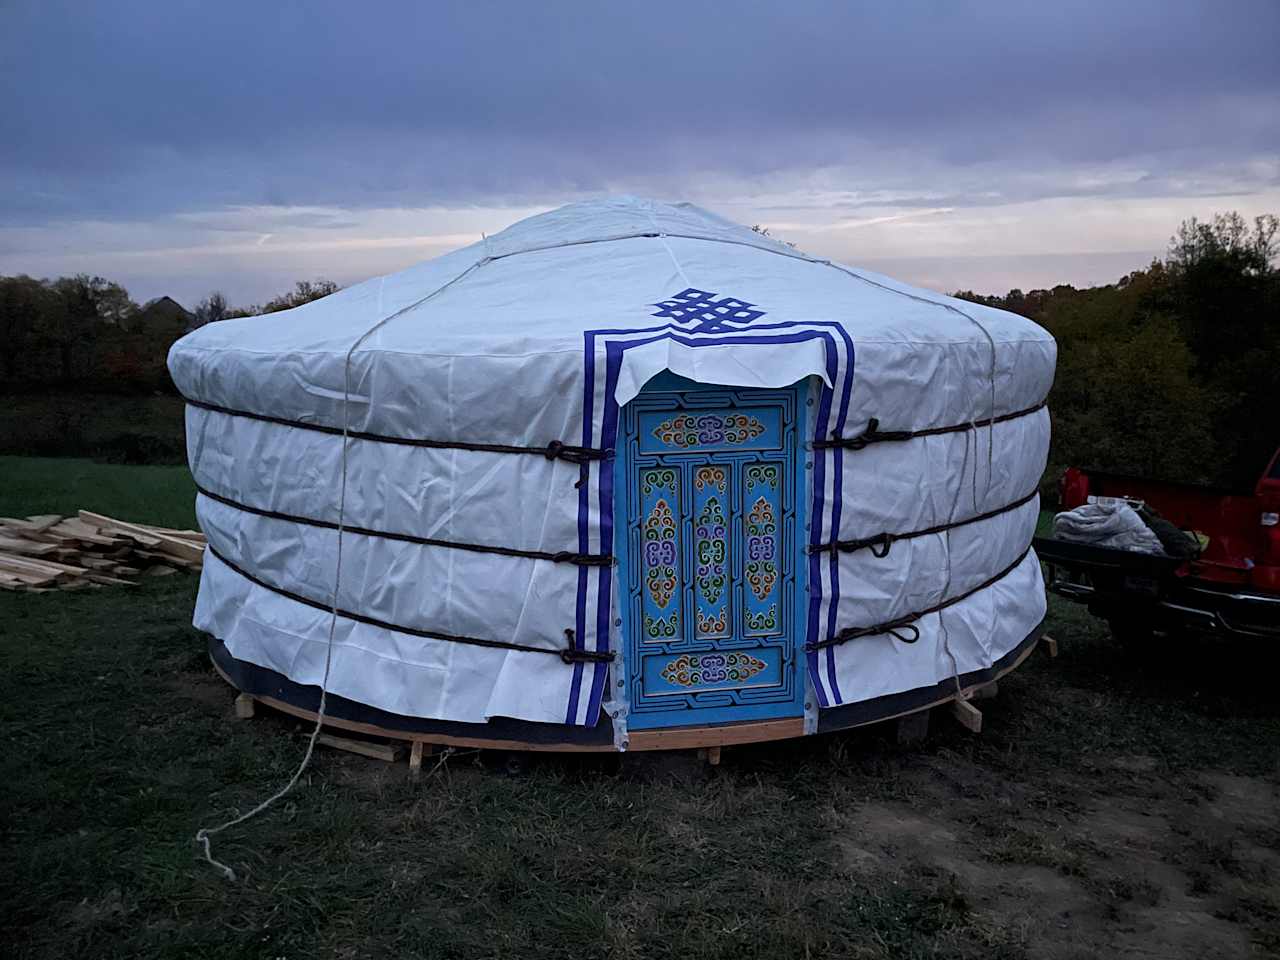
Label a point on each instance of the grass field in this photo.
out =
(164, 496)
(1113, 805)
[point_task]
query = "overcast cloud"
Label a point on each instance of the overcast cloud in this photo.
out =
(185, 146)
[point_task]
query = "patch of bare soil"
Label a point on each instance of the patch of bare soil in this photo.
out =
(1192, 873)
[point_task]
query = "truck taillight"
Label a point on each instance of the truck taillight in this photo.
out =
(1270, 519)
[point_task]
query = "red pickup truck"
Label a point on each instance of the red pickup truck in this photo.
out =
(1231, 589)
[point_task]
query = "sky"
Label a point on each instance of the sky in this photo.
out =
(182, 147)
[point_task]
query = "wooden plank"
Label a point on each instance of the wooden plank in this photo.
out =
(52, 566)
(29, 573)
(26, 526)
(108, 581)
(82, 533)
(689, 738)
(99, 563)
(159, 570)
(378, 751)
(1050, 645)
(25, 577)
(969, 716)
(194, 535)
(31, 548)
(13, 577)
(44, 521)
(176, 546)
(415, 759)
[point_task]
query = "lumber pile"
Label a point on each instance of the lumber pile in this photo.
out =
(54, 552)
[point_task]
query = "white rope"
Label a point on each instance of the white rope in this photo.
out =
(204, 833)
(670, 253)
(946, 587)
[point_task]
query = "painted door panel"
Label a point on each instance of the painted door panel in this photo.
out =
(708, 554)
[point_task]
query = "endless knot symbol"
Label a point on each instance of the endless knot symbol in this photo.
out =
(711, 315)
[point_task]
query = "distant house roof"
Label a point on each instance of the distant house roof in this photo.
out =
(161, 313)
(165, 304)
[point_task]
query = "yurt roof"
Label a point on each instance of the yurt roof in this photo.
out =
(536, 286)
(547, 278)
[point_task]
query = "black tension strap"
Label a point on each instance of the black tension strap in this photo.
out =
(881, 542)
(559, 556)
(903, 628)
(555, 450)
(568, 654)
(873, 433)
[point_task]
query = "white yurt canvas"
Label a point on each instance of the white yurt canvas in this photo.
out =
(622, 467)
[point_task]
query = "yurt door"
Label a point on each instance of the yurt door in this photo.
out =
(709, 484)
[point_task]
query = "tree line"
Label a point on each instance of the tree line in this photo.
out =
(87, 333)
(1171, 371)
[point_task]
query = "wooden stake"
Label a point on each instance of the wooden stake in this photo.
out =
(713, 756)
(415, 759)
(244, 707)
(1050, 645)
(968, 715)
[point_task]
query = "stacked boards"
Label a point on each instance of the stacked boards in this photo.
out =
(53, 552)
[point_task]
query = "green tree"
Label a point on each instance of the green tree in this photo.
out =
(24, 305)
(210, 310)
(304, 291)
(1172, 371)
(74, 323)
(1225, 291)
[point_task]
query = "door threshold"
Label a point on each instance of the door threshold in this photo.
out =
(719, 735)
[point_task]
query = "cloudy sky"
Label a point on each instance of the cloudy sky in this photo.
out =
(183, 146)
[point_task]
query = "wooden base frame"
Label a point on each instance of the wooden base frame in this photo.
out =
(709, 738)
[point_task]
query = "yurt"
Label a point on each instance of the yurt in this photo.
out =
(623, 476)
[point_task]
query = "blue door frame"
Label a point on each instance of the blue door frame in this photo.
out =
(711, 553)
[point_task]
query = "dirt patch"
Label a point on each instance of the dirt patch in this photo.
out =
(1243, 801)
(1118, 880)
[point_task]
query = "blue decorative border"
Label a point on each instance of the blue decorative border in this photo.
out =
(616, 343)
